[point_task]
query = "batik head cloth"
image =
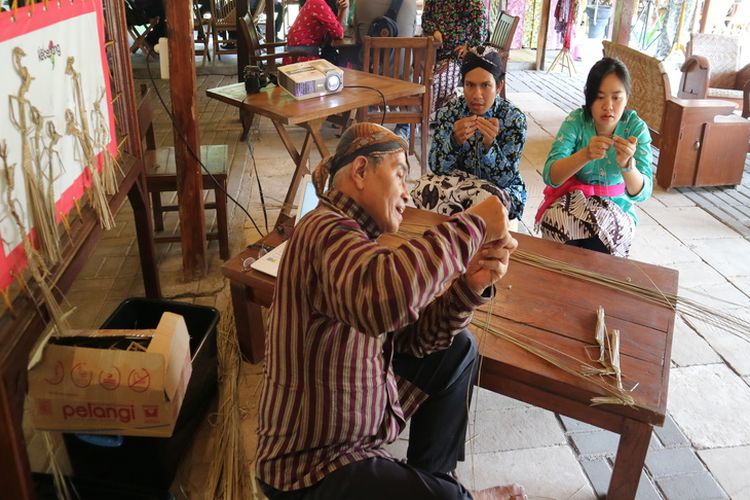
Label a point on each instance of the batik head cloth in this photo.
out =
(483, 57)
(361, 139)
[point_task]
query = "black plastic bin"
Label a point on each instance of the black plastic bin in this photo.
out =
(149, 461)
(94, 489)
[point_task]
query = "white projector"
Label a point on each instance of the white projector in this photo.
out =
(308, 79)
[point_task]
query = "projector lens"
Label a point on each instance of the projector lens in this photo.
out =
(333, 81)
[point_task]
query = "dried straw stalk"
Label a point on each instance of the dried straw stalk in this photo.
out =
(689, 307)
(730, 323)
(227, 477)
(563, 361)
(102, 139)
(27, 118)
(35, 263)
(97, 193)
(63, 487)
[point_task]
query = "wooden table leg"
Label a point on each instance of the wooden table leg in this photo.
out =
(631, 455)
(313, 128)
(299, 172)
(246, 118)
(287, 141)
(251, 326)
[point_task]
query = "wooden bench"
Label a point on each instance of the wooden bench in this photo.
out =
(695, 149)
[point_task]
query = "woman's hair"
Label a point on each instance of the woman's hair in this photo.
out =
(598, 72)
(334, 5)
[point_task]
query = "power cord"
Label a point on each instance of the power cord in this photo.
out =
(205, 169)
(257, 179)
(382, 96)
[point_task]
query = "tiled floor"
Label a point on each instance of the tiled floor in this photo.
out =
(702, 452)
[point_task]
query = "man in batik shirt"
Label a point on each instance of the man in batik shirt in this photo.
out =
(477, 145)
(362, 338)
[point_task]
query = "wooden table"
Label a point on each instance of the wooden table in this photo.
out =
(549, 308)
(283, 109)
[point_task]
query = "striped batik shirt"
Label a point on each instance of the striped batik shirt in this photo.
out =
(343, 304)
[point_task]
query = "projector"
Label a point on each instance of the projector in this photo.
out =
(308, 79)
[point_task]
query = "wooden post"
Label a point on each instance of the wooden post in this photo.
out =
(183, 88)
(270, 24)
(541, 44)
(704, 15)
(623, 20)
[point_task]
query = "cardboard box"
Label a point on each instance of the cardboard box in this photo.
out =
(110, 391)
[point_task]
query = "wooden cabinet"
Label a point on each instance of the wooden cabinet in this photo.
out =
(697, 151)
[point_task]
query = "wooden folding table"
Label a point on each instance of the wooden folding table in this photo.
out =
(283, 109)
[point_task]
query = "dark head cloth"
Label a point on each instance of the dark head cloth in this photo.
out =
(361, 139)
(485, 58)
(365, 139)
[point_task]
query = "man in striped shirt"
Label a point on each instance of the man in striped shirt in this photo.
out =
(361, 339)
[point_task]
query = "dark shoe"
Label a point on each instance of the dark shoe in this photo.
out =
(229, 46)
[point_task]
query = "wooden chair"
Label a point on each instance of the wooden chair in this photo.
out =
(502, 38)
(406, 58)
(161, 176)
(262, 54)
(224, 20)
(712, 70)
(201, 32)
(139, 27)
(700, 141)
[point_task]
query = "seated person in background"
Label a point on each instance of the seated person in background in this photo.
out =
(318, 22)
(360, 338)
(477, 145)
(252, 6)
(598, 168)
(457, 24)
(365, 12)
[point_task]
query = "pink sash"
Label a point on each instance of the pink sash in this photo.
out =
(551, 193)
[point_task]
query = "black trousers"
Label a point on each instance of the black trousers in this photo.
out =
(589, 243)
(436, 436)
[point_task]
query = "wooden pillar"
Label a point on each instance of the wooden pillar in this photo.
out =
(704, 15)
(541, 44)
(183, 88)
(270, 25)
(624, 10)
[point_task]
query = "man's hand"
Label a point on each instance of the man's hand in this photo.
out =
(464, 128)
(438, 36)
(625, 149)
(489, 264)
(495, 216)
(489, 128)
(598, 147)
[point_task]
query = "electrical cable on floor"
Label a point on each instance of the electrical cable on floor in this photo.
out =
(195, 156)
(195, 295)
